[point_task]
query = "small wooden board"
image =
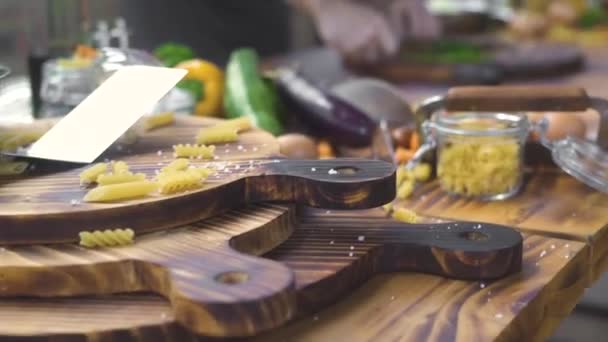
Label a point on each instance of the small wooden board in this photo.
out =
(504, 62)
(40, 205)
(217, 292)
(324, 271)
(206, 270)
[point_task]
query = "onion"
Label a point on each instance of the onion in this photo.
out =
(297, 146)
(562, 125)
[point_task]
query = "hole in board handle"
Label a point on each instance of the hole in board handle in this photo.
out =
(232, 277)
(474, 236)
(346, 170)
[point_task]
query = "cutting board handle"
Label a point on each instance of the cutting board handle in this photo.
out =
(461, 250)
(517, 98)
(330, 184)
(203, 293)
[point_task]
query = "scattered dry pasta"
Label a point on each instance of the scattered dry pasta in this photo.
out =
(217, 134)
(120, 167)
(179, 181)
(9, 168)
(422, 172)
(123, 177)
(107, 238)
(13, 140)
(194, 151)
(406, 188)
(204, 172)
(405, 215)
(479, 166)
(90, 174)
(240, 124)
(120, 191)
(402, 174)
(178, 164)
(159, 120)
(406, 179)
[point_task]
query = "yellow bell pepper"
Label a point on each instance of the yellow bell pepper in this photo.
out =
(212, 78)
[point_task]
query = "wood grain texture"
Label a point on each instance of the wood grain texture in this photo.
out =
(516, 98)
(550, 203)
(169, 263)
(324, 272)
(414, 307)
(206, 270)
(38, 207)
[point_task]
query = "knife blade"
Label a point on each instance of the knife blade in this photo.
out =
(107, 113)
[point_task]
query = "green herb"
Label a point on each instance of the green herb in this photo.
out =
(171, 54)
(593, 17)
(447, 52)
(196, 88)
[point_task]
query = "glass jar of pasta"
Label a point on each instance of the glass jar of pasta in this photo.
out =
(479, 154)
(480, 133)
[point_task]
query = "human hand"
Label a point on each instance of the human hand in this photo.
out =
(411, 19)
(358, 32)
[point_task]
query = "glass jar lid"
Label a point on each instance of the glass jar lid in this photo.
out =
(583, 160)
(481, 123)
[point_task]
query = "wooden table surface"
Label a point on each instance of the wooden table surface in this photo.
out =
(561, 259)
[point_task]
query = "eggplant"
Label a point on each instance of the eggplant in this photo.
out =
(328, 115)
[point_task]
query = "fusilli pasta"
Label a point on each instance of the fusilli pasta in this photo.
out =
(179, 181)
(478, 166)
(107, 238)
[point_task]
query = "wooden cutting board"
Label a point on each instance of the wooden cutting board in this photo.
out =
(43, 204)
(504, 62)
(207, 271)
(216, 291)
